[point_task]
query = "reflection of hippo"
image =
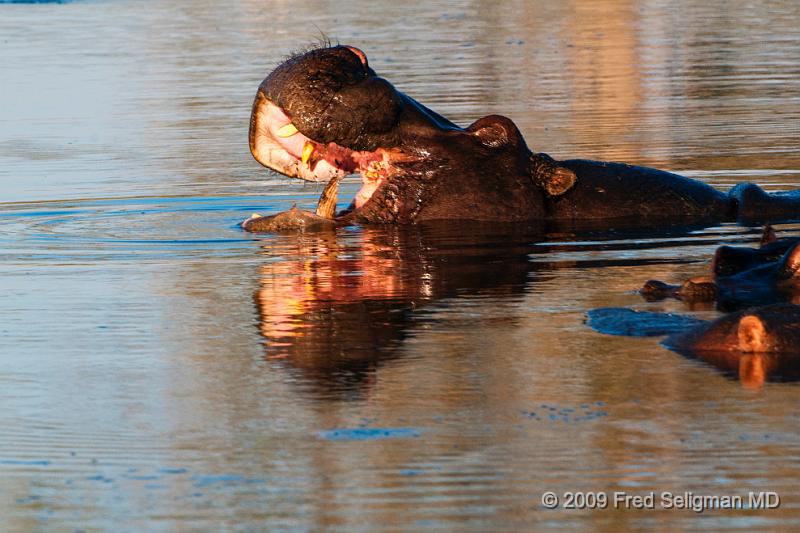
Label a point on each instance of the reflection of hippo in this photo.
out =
(756, 344)
(336, 304)
(741, 277)
(325, 113)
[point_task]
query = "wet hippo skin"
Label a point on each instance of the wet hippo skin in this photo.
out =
(741, 277)
(325, 113)
(757, 345)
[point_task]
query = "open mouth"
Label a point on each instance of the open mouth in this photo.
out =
(276, 143)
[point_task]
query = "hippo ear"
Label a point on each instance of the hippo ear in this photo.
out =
(560, 181)
(768, 235)
(550, 176)
(790, 264)
(752, 334)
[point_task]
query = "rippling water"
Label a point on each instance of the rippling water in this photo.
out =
(160, 369)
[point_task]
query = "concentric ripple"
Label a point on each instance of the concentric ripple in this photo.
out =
(144, 229)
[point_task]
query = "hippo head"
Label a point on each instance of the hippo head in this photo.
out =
(325, 113)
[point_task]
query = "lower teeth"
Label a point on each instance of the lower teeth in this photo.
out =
(326, 208)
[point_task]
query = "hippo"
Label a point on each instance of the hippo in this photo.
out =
(325, 113)
(730, 260)
(757, 345)
(741, 277)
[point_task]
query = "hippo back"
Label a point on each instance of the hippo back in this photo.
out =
(617, 190)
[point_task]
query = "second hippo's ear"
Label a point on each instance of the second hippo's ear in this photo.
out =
(752, 334)
(790, 264)
(768, 235)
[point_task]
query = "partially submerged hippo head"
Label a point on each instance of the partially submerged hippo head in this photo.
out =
(741, 277)
(768, 329)
(757, 345)
(325, 113)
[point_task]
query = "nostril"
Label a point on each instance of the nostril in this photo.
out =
(361, 55)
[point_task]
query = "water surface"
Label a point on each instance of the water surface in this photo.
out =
(162, 370)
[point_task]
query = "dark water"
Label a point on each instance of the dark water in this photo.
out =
(162, 370)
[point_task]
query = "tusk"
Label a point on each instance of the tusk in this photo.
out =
(326, 208)
(287, 131)
(308, 149)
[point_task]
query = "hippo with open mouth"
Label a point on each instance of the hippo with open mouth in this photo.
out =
(325, 113)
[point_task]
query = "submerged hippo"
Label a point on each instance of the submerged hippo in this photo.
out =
(730, 260)
(757, 345)
(741, 277)
(325, 113)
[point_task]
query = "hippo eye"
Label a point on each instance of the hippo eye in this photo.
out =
(492, 136)
(356, 116)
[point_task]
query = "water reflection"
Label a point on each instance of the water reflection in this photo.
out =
(336, 304)
(128, 324)
(754, 369)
